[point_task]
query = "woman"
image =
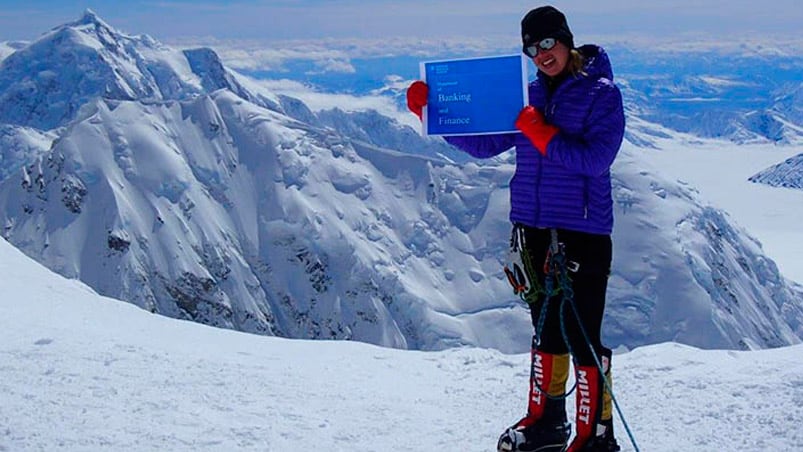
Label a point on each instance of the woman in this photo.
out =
(561, 200)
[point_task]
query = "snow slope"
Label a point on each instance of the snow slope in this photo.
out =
(83, 372)
(787, 174)
(726, 175)
(19, 146)
(9, 47)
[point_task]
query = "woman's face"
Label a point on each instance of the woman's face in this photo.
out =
(553, 61)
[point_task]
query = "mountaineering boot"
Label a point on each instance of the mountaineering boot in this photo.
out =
(604, 442)
(544, 428)
(594, 421)
(539, 437)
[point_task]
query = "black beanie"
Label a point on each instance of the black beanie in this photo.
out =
(545, 22)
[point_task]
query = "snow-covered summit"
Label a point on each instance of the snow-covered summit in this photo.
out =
(91, 19)
(44, 84)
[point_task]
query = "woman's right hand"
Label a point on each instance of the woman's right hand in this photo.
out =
(417, 97)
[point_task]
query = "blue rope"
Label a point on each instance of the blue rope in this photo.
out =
(568, 296)
(548, 287)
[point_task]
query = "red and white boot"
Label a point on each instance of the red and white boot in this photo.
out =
(544, 428)
(594, 421)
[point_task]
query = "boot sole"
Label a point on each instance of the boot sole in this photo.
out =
(545, 448)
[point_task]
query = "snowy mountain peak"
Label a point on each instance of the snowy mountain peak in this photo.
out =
(90, 31)
(44, 84)
(206, 64)
(90, 18)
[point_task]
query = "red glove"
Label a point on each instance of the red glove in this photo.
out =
(417, 97)
(532, 124)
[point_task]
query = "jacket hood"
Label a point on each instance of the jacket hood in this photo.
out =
(597, 62)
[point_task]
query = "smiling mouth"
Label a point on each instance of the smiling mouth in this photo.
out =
(548, 62)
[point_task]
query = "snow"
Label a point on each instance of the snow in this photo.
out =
(20, 145)
(321, 215)
(721, 173)
(722, 82)
(84, 372)
(7, 48)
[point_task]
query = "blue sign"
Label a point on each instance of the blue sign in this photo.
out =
(474, 96)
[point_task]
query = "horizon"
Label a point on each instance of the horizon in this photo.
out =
(350, 19)
(335, 51)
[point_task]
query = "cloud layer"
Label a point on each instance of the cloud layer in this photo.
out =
(319, 19)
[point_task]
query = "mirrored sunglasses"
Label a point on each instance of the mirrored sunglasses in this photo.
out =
(544, 44)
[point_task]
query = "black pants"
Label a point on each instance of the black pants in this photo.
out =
(593, 254)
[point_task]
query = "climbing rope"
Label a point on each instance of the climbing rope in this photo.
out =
(556, 268)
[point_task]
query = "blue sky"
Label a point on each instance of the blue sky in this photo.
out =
(315, 19)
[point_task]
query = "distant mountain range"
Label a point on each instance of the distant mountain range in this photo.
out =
(728, 96)
(165, 179)
(734, 93)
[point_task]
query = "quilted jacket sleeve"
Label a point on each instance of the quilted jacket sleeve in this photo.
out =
(483, 146)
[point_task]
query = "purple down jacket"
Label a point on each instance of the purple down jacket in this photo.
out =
(570, 188)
